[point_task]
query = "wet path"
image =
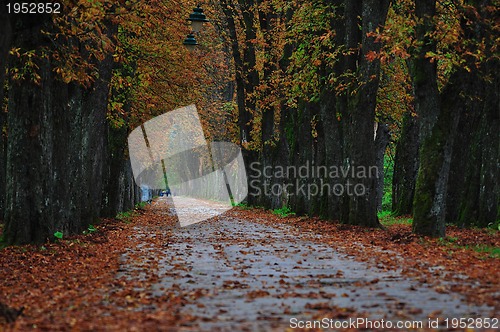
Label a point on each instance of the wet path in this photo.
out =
(242, 275)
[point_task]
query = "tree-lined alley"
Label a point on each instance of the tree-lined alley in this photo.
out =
(311, 82)
(370, 133)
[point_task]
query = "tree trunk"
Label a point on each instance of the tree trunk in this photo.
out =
(239, 69)
(474, 190)
(479, 203)
(463, 169)
(37, 161)
(428, 211)
(362, 202)
(55, 150)
(405, 167)
(432, 180)
(474, 196)
(30, 167)
(382, 138)
(5, 42)
(330, 136)
(119, 187)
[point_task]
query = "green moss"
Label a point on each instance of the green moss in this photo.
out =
(388, 176)
(290, 135)
(431, 161)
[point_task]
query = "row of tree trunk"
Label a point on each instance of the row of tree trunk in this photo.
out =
(334, 132)
(447, 160)
(62, 166)
(446, 165)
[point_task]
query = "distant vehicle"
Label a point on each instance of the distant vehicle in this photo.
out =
(165, 192)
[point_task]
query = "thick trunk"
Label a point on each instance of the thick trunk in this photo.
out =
(3, 161)
(405, 167)
(330, 136)
(55, 150)
(474, 195)
(360, 151)
(424, 71)
(432, 173)
(5, 42)
(474, 190)
(305, 155)
(477, 180)
(34, 174)
(94, 143)
(432, 180)
(119, 189)
(38, 161)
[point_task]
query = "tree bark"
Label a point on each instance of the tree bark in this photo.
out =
(5, 42)
(360, 147)
(239, 69)
(479, 203)
(382, 138)
(119, 192)
(428, 209)
(474, 194)
(405, 167)
(55, 150)
(432, 180)
(475, 190)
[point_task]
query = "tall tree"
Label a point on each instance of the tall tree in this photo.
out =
(474, 192)
(359, 115)
(67, 161)
(465, 94)
(240, 17)
(432, 174)
(5, 42)
(57, 127)
(325, 73)
(405, 167)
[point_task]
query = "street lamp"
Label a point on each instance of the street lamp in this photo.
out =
(197, 18)
(190, 42)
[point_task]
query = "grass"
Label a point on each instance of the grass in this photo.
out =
(494, 226)
(387, 219)
(242, 206)
(126, 216)
(141, 205)
(493, 252)
(91, 229)
(388, 175)
(450, 241)
(284, 212)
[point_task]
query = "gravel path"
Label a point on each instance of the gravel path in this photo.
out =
(241, 275)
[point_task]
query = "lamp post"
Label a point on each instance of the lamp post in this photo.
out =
(190, 42)
(197, 18)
